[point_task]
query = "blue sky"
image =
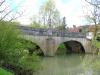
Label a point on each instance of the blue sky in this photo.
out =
(71, 9)
(14, 5)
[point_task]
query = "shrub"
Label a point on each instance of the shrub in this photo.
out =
(4, 72)
(12, 50)
(61, 46)
(30, 62)
(10, 47)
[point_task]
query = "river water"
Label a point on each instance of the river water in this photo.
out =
(71, 64)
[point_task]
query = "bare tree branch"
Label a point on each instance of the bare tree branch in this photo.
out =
(94, 16)
(6, 12)
(97, 5)
(15, 17)
(5, 15)
(2, 2)
(3, 10)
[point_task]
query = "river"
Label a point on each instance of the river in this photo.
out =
(71, 64)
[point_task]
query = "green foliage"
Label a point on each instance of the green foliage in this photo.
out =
(9, 44)
(37, 25)
(30, 62)
(61, 46)
(4, 72)
(48, 11)
(13, 49)
(61, 50)
(96, 66)
(60, 27)
(95, 42)
(26, 44)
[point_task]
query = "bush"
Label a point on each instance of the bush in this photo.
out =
(9, 44)
(62, 46)
(4, 72)
(12, 50)
(30, 62)
(96, 42)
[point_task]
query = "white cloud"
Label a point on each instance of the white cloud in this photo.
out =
(30, 7)
(72, 11)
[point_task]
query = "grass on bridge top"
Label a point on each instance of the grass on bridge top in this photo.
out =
(4, 72)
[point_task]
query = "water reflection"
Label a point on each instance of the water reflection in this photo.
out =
(73, 64)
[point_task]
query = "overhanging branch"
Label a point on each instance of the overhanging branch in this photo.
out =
(97, 5)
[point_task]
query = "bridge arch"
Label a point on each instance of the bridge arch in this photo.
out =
(37, 49)
(72, 46)
(32, 47)
(49, 45)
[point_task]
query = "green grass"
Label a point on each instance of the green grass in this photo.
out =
(96, 43)
(4, 72)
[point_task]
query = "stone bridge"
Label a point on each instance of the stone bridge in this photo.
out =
(49, 40)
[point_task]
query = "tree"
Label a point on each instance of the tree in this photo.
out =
(35, 23)
(94, 15)
(13, 51)
(64, 22)
(49, 15)
(63, 25)
(9, 44)
(95, 3)
(6, 13)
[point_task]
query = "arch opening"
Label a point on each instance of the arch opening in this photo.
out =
(32, 47)
(69, 47)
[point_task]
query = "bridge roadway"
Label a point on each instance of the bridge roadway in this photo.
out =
(52, 32)
(50, 39)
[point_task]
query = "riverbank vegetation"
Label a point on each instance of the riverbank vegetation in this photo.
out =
(14, 54)
(21, 56)
(96, 42)
(96, 64)
(95, 19)
(61, 50)
(4, 72)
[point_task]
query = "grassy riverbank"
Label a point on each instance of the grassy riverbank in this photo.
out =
(96, 45)
(4, 72)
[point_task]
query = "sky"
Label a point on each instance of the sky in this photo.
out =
(71, 9)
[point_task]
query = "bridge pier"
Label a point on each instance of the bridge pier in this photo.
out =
(49, 47)
(49, 54)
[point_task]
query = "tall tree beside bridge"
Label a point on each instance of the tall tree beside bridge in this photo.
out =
(49, 14)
